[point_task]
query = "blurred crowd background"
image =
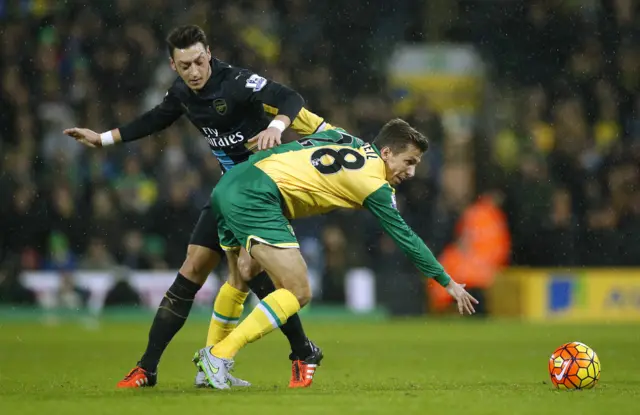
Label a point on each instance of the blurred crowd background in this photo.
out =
(555, 154)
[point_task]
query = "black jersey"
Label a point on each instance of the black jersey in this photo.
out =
(228, 110)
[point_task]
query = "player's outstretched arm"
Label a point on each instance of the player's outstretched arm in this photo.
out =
(152, 121)
(92, 139)
(381, 204)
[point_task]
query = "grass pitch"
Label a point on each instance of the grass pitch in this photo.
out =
(392, 367)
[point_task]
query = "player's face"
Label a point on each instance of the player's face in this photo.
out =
(192, 64)
(401, 166)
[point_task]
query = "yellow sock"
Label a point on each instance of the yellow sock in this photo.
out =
(272, 312)
(227, 310)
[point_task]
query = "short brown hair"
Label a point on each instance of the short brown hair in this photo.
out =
(182, 37)
(397, 134)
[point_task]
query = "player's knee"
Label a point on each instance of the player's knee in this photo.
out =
(199, 263)
(246, 269)
(302, 292)
(304, 297)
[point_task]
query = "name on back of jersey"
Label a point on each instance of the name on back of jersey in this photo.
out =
(369, 151)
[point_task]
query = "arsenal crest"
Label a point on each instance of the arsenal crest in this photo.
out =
(220, 105)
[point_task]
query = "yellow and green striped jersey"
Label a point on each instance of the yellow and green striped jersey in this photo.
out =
(334, 169)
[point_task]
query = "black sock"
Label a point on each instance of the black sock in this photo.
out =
(170, 317)
(262, 286)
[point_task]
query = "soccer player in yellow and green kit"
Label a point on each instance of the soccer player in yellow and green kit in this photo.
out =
(254, 202)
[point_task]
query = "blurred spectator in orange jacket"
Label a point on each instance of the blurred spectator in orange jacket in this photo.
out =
(480, 250)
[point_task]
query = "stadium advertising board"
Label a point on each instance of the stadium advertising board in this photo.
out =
(588, 295)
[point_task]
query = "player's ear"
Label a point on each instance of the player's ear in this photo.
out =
(385, 153)
(208, 53)
(172, 63)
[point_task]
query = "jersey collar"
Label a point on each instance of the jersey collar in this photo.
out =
(373, 146)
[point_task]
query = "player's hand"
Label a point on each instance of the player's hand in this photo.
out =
(268, 138)
(85, 136)
(463, 298)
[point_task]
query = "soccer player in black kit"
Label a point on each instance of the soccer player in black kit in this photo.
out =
(233, 109)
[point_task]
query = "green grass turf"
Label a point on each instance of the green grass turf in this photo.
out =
(393, 367)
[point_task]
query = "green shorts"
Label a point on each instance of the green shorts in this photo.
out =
(247, 206)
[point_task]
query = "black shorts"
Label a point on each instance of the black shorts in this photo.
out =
(206, 231)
